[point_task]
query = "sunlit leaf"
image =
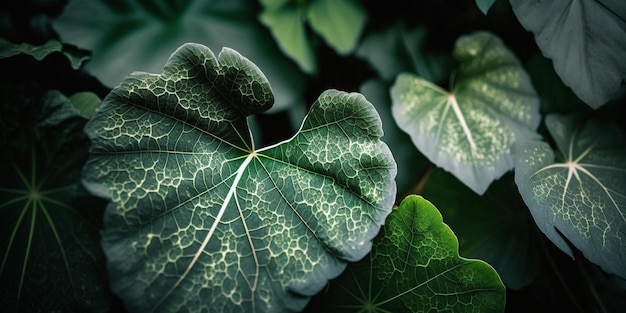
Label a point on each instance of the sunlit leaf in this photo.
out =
(414, 267)
(495, 227)
(200, 218)
(49, 249)
(122, 34)
(586, 40)
(580, 197)
(469, 130)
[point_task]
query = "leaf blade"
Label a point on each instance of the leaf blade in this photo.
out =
(202, 209)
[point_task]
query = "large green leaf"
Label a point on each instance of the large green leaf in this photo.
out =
(123, 33)
(49, 247)
(200, 219)
(469, 131)
(414, 267)
(581, 197)
(586, 40)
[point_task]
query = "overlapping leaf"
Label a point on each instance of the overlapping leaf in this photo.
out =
(414, 267)
(49, 252)
(156, 28)
(495, 227)
(338, 22)
(581, 198)
(202, 220)
(586, 40)
(470, 130)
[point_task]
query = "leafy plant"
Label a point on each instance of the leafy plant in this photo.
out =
(221, 192)
(414, 265)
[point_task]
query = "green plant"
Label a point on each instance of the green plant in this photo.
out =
(461, 135)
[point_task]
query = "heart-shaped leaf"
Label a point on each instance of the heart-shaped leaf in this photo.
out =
(470, 130)
(414, 267)
(582, 196)
(200, 218)
(586, 40)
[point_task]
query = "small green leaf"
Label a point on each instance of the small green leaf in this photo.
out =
(470, 130)
(580, 198)
(586, 40)
(485, 5)
(398, 49)
(50, 258)
(8, 49)
(290, 34)
(201, 218)
(414, 267)
(339, 22)
(85, 102)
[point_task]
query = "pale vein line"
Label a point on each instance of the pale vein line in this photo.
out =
(461, 118)
(218, 218)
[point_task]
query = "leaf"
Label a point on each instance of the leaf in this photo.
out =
(85, 102)
(9, 49)
(414, 267)
(290, 33)
(122, 33)
(49, 252)
(484, 5)
(339, 22)
(398, 49)
(586, 40)
(404, 152)
(469, 131)
(495, 227)
(200, 218)
(581, 198)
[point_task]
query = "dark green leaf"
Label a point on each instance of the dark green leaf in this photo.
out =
(495, 227)
(49, 248)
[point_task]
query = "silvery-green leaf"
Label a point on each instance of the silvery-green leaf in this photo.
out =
(469, 131)
(582, 196)
(203, 220)
(586, 40)
(485, 5)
